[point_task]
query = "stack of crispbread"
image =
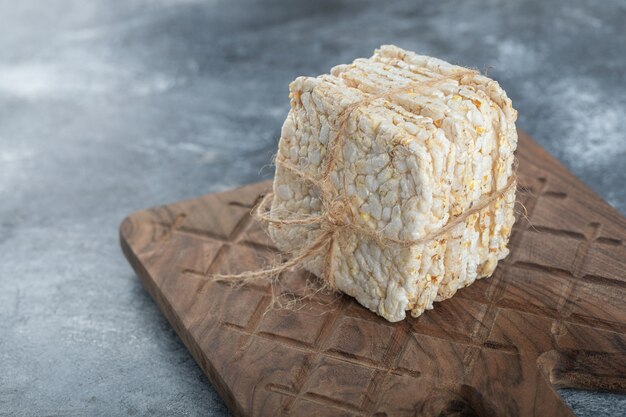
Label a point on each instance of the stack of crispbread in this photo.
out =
(409, 164)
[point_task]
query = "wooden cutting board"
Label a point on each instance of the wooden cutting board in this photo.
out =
(553, 313)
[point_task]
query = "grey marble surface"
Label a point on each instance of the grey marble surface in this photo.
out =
(110, 107)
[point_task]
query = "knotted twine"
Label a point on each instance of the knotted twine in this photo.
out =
(336, 215)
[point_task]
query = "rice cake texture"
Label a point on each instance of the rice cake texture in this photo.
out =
(409, 164)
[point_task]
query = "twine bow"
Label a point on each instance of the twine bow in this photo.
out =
(336, 215)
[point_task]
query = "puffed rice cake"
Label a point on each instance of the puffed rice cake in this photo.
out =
(410, 163)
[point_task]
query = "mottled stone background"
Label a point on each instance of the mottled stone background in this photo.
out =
(110, 107)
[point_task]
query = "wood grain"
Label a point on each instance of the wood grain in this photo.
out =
(553, 313)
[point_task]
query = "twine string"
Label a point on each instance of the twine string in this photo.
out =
(336, 215)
